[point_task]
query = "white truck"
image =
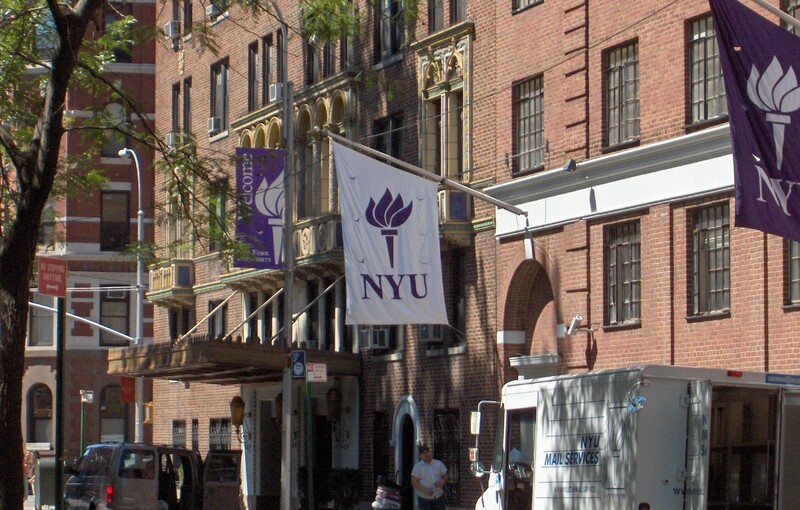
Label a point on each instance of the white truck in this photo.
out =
(643, 438)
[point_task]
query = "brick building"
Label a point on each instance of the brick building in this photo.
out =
(607, 127)
(92, 233)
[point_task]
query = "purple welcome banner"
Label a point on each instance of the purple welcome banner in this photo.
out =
(259, 222)
(759, 61)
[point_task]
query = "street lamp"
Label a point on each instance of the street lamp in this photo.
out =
(139, 291)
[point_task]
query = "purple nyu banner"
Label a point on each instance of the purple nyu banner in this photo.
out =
(259, 223)
(759, 64)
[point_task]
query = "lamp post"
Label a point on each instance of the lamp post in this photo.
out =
(139, 418)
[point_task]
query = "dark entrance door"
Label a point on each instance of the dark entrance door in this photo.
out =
(269, 455)
(407, 461)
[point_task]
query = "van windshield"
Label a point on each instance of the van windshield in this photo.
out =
(95, 461)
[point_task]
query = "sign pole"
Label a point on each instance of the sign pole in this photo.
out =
(59, 418)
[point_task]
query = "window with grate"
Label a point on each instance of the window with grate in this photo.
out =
(446, 448)
(792, 272)
(711, 260)
(622, 94)
(707, 86)
(40, 414)
(219, 434)
(179, 433)
(623, 273)
(528, 118)
(381, 437)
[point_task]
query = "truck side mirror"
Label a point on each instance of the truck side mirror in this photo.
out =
(475, 423)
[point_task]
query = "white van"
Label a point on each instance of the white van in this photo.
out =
(133, 476)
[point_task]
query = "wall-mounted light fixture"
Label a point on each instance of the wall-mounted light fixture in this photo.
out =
(574, 325)
(237, 418)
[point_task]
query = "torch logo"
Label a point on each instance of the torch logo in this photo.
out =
(388, 214)
(776, 93)
(269, 202)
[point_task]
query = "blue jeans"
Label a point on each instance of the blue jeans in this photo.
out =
(431, 504)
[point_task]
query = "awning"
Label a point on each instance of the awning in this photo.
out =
(216, 362)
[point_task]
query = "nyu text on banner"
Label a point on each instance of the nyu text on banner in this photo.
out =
(391, 243)
(759, 64)
(259, 221)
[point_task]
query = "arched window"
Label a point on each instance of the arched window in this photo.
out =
(112, 414)
(40, 414)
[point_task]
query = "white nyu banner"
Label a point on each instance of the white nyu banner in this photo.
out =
(391, 243)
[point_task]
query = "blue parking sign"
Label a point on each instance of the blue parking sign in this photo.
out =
(298, 364)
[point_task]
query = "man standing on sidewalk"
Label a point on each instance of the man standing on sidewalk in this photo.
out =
(428, 478)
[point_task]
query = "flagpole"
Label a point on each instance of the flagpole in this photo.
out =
(779, 13)
(429, 175)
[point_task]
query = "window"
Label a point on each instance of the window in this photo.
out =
(187, 17)
(435, 15)
(217, 216)
(115, 230)
(179, 322)
(40, 414)
(178, 225)
(112, 26)
(792, 7)
(623, 273)
(114, 311)
(219, 97)
(319, 61)
(389, 24)
(708, 88)
(195, 434)
(137, 464)
(252, 77)
(711, 260)
(115, 139)
(528, 125)
(381, 439)
(458, 11)
(267, 59)
(176, 108)
(446, 447)
(216, 322)
(443, 137)
(112, 414)
(216, 9)
(219, 434)
(792, 272)
(187, 107)
(179, 433)
(389, 135)
(40, 322)
(622, 94)
(521, 4)
(379, 338)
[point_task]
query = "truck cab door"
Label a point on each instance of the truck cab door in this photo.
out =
(697, 445)
(221, 480)
(788, 446)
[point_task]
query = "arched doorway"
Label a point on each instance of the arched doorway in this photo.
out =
(40, 414)
(406, 438)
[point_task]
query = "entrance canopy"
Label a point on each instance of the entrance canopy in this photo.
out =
(200, 359)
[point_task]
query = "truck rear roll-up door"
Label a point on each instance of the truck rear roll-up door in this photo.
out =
(697, 445)
(789, 445)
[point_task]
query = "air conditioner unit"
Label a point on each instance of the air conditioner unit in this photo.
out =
(454, 205)
(374, 338)
(275, 91)
(431, 333)
(115, 294)
(214, 125)
(212, 11)
(172, 139)
(172, 29)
